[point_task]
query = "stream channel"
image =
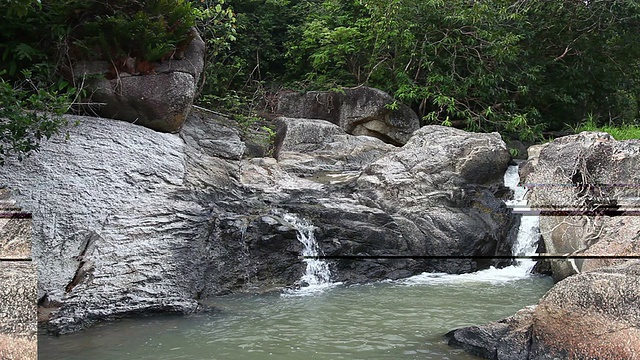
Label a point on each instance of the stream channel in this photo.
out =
(402, 319)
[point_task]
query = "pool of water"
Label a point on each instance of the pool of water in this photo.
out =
(389, 320)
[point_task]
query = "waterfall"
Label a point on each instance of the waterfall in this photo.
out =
(525, 245)
(528, 232)
(317, 276)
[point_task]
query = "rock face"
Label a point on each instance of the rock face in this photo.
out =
(593, 179)
(587, 188)
(592, 315)
(358, 111)
(128, 220)
(160, 100)
(309, 147)
(18, 283)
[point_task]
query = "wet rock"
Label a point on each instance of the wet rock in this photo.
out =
(593, 315)
(592, 178)
(433, 196)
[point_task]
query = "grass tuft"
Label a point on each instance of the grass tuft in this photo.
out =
(624, 132)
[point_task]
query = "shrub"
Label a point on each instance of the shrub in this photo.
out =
(149, 31)
(26, 118)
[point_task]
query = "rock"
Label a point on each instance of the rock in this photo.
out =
(440, 185)
(15, 229)
(105, 223)
(592, 176)
(533, 153)
(309, 147)
(18, 297)
(130, 221)
(358, 111)
(593, 315)
(501, 340)
(18, 283)
(425, 198)
(160, 101)
(517, 149)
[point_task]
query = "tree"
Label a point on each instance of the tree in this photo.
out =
(512, 66)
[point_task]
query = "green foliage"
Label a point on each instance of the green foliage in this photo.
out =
(216, 23)
(26, 117)
(248, 44)
(332, 41)
(149, 30)
(620, 132)
(518, 67)
(19, 8)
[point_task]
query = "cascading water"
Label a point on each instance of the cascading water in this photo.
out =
(317, 276)
(525, 245)
(529, 231)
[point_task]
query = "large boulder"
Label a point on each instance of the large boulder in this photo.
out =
(105, 222)
(358, 111)
(433, 196)
(587, 187)
(159, 99)
(315, 147)
(593, 315)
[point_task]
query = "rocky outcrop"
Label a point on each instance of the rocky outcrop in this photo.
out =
(587, 187)
(309, 147)
(592, 315)
(358, 111)
(159, 99)
(128, 220)
(425, 198)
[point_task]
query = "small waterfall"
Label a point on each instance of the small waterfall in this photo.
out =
(528, 232)
(317, 276)
(525, 245)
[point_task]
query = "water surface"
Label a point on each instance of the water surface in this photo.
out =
(390, 320)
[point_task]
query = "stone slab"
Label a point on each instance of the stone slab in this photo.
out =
(15, 229)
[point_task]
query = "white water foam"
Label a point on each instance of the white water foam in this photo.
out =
(525, 245)
(317, 276)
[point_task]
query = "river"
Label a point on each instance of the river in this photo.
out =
(403, 319)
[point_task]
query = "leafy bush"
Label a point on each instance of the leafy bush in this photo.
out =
(27, 117)
(146, 30)
(217, 26)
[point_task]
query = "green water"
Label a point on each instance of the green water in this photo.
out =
(389, 320)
